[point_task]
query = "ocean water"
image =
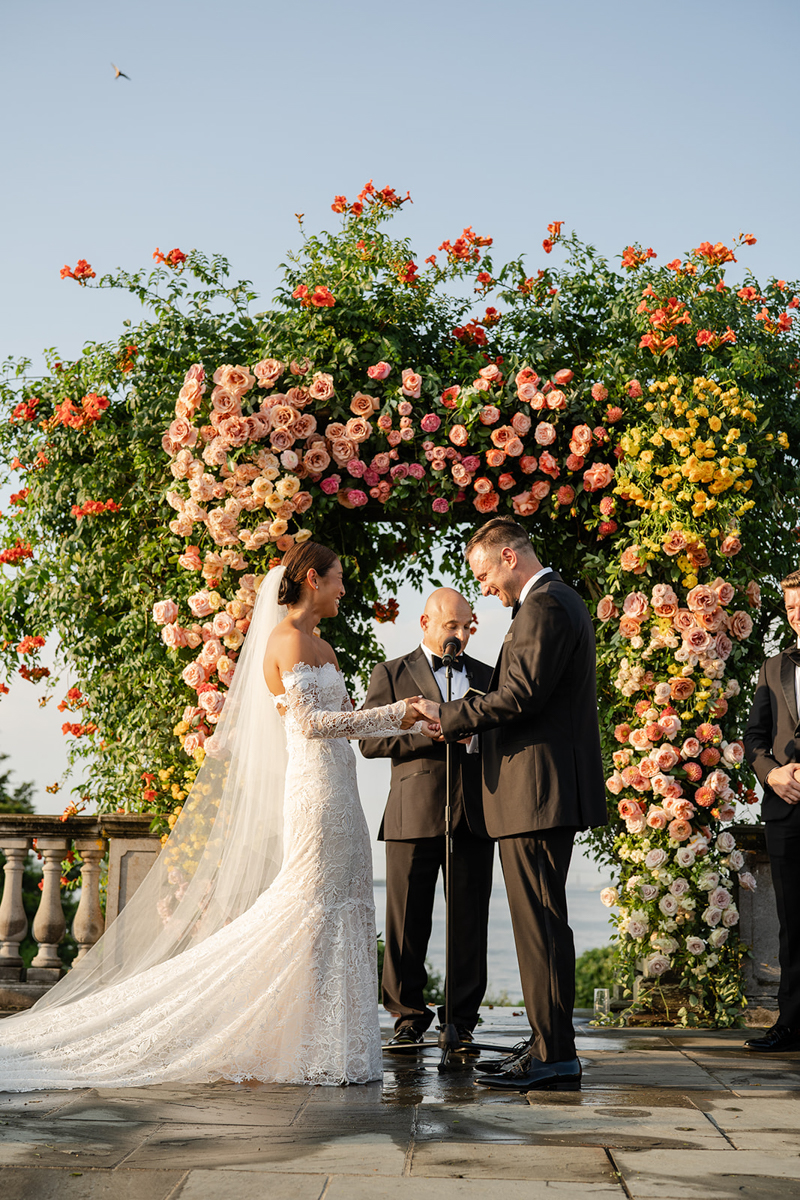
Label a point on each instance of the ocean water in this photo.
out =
(588, 918)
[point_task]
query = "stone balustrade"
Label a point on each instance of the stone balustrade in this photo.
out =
(131, 851)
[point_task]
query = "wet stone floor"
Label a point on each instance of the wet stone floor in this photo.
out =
(662, 1114)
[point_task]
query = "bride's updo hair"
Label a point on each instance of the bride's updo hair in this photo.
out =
(297, 562)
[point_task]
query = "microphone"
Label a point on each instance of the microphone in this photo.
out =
(450, 651)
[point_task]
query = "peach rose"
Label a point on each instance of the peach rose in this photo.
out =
(527, 391)
(723, 646)
(730, 546)
(194, 675)
(458, 435)
(629, 627)
(411, 384)
(674, 543)
(268, 372)
(235, 380)
(514, 447)
(598, 476)
(174, 637)
(702, 599)
(357, 429)
(630, 561)
(521, 423)
(607, 609)
(222, 624)
(753, 593)
(234, 430)
(362, 405)
(524, 504)
(556, 400)
(486, 502)
(489, 415)
(740, 625)
(321, 387)
(165, 612)
(545, 433)
(342, 451)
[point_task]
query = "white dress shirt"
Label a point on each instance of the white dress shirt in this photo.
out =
(527, 587)
(460, 687)
(797, 684)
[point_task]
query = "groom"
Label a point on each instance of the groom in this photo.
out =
(542, 783)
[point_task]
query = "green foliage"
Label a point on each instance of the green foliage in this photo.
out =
(593, 969)
(17, 799)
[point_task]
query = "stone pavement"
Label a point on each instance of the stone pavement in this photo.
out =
(662, 1115)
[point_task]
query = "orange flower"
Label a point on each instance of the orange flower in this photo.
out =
(81, 274)
(714, 255)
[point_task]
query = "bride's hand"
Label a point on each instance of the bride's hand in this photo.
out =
(411, 715)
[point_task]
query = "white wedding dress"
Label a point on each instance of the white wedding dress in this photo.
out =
(286, 992)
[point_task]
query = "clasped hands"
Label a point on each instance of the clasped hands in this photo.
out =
(420, 709)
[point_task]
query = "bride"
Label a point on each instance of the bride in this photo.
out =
(248, 952)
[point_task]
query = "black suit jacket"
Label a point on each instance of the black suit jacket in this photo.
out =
(772, 736)
(415, 808)
(542, 766)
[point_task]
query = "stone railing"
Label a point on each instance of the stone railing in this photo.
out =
(131, 853)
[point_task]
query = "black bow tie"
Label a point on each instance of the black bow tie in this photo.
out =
(457, 664)
(515, 607)
(793, 653)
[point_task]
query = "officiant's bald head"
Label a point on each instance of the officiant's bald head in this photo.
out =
(447, 614)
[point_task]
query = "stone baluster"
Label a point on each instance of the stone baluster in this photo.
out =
(49, 925)
(13, 922)
(89, 924)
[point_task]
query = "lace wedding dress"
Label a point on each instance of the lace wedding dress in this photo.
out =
(287, 991)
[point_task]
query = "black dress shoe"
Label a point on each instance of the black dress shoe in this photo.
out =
(780, 1037)
(493, 1066)
(466, 1039)
(407, 1040)
(528, 1074)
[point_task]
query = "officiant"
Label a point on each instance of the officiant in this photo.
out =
(413, 830)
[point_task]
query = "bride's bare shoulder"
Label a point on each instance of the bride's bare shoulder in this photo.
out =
(286, 647)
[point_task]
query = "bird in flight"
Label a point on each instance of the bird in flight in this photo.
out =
(120, 74)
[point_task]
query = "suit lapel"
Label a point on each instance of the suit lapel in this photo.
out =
(550, 577)
(422, 675)
(787, 684)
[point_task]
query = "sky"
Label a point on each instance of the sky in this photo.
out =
(629, 121)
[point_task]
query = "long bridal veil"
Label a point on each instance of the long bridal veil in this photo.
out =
(226, 846)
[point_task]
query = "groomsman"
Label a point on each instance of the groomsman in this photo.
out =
(413, 829)
(542, 782)
(772, 747)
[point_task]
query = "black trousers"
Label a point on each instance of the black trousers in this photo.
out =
(783, 846)
(412, 870)
(535, 867)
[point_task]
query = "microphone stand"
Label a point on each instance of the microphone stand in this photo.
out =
(449, 1042)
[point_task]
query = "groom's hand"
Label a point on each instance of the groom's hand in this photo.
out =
(426, 709)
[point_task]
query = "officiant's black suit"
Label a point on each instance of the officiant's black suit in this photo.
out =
(542, 781)
(772, 739)
(413, 829)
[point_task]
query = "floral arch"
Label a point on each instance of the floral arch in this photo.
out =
(641, 421)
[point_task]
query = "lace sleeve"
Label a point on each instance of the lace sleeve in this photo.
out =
(301, 702)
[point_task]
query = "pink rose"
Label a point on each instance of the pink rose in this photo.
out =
(164, 612)
(321, 387)
(304, 425)
(545, 433)
(524, 504)
(416, 470)
(357, 498)
(730, 546)
(331, 484)
(381, 370)
(669, 725)
(656, 965)
(412, 384)
(223, 624)
(440, 505)
(316, 459)
(211, 701)
(430, 423)
(556, 400)
(514, 447)
(753, 593)
(636, 605)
